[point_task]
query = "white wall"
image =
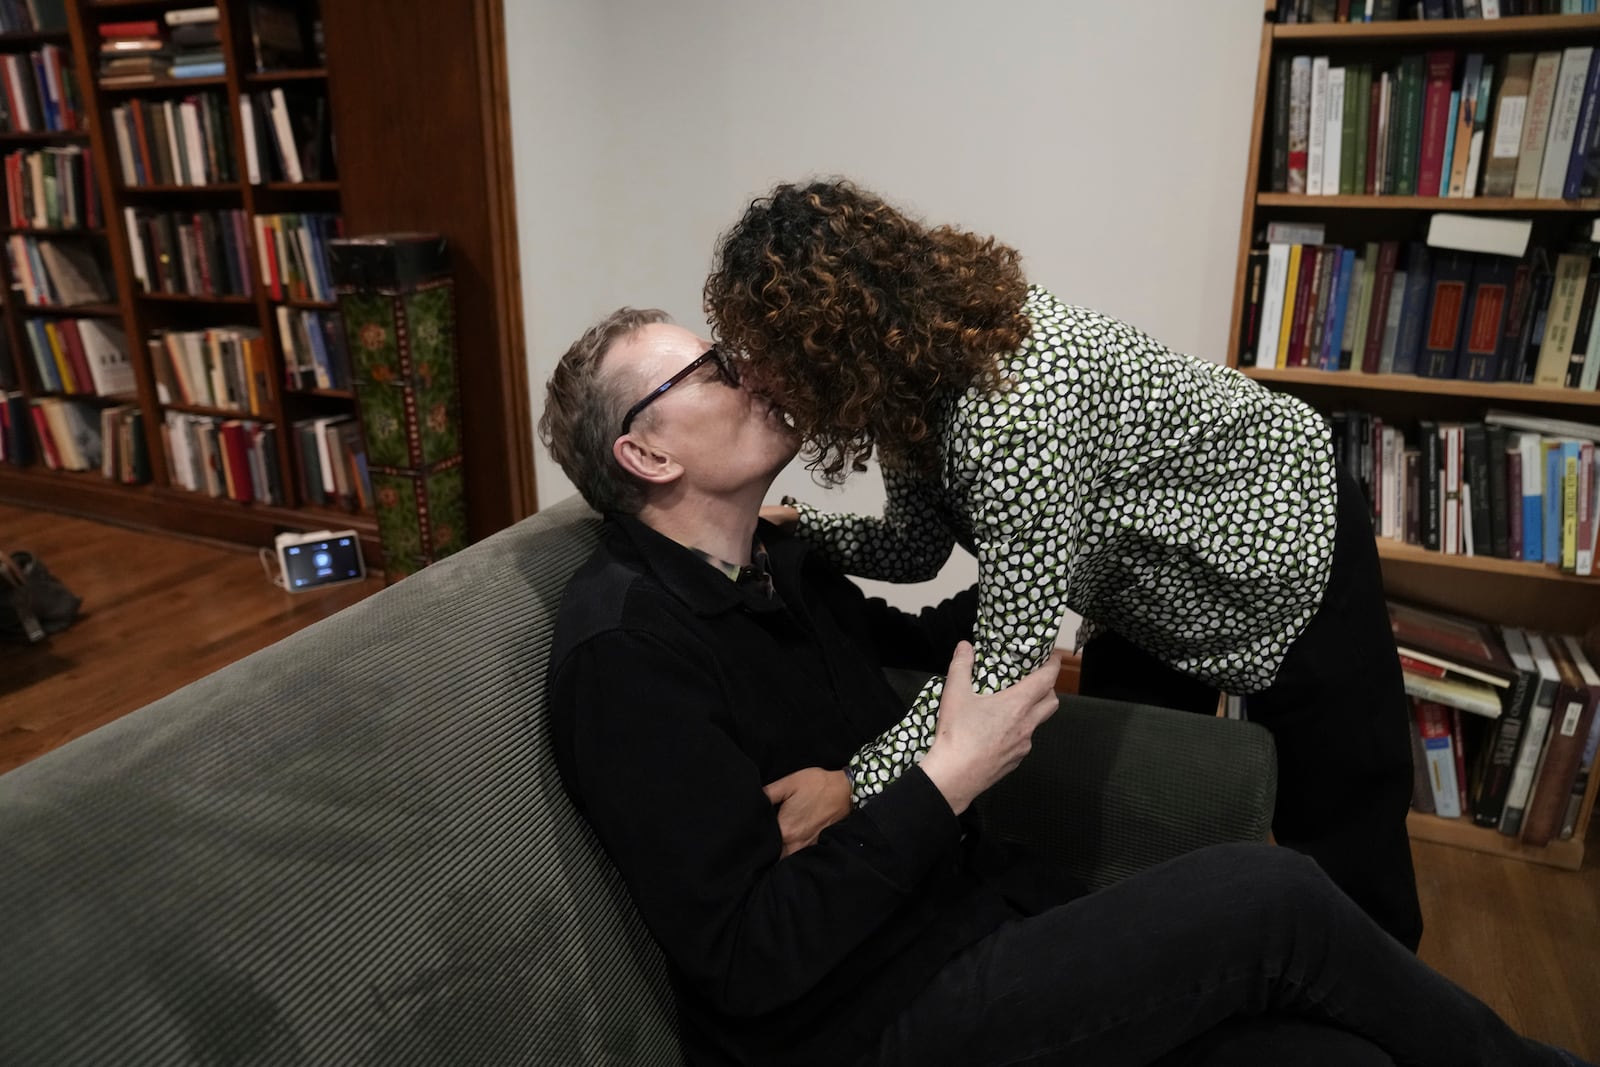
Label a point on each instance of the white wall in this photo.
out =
(1106, 140)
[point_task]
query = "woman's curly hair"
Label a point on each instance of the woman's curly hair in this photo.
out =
(856, 320)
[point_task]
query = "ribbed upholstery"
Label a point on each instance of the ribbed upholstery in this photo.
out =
(349, 848)
(1111, 788)
(353, 848)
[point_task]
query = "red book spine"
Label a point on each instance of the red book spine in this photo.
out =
(141, 28)
(47, 443)
(73, 343)
(1435, 122)
(1388, 254)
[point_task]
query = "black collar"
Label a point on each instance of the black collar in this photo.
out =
(700, 585)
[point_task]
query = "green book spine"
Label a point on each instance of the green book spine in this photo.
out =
(1347, 132)
(1412, 77)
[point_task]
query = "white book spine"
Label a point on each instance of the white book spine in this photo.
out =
(1317, 125)
(252, 161)
(195, 144)
(1333, 137)
(280, 126)
(141, 270)
(1272, 305)
(1531, 745)
(1564, 121)
(119, 122)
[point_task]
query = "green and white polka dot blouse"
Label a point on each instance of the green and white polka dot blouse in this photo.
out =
(1167, 498)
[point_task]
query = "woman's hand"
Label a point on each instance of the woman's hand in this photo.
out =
(782, 516)
(808, 801)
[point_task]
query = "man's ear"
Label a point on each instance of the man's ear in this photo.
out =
(644, 462)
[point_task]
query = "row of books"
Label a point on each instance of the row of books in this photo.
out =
(39, 92)
(79, 356)
(68, 432)
(1419, 308)
(333, 463)
(173, 142)
(124, 454)
(199, 253)
(73, 436)
(57, 273)
(1391, 10)
(1511, 487)
(236, 459)
(52, 188)
(288, 136)
(292, 252)
(1505, 722)
(314, 352)
(32, 16)
(225, 367)
(182, 44)
(1423, 128)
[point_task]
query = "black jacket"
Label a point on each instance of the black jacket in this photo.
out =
(675, 695)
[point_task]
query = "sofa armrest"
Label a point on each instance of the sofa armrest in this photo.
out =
(1111, 788)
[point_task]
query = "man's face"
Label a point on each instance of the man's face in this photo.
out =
(725, 437)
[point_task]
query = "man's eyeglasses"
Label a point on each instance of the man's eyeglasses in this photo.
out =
(725, 371)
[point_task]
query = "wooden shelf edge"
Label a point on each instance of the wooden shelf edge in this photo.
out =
(1409, 383)
(1400, 552)
(1463, 833)
(1438, 29)
(177, 511)
(1302, 202)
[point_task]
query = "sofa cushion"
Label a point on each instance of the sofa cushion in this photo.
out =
(352, 847)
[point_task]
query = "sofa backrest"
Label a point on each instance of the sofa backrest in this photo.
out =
(350, 848)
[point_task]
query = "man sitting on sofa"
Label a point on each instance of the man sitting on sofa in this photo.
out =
(700, 655)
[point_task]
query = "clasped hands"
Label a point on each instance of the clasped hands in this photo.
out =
(978, 740)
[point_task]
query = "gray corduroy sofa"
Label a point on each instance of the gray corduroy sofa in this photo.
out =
(353, 848)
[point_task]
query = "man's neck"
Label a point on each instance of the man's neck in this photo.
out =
(723, 526)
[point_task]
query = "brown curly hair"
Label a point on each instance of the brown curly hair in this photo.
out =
(856, 319)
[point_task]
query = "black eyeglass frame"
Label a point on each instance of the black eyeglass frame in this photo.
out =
(710, 355)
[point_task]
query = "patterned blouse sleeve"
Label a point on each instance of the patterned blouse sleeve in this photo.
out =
(909, 543)
(1022, 542)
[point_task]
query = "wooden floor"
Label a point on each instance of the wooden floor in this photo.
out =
(160, 612)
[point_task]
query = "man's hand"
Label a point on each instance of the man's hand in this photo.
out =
(978, 740)
(809, 801)
(782, 516)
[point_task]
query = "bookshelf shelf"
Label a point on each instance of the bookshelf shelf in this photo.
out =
(1401, 552)
(25, 38)
(309, 305)
(1407, 383)
(60, 231)
(341, 394)
(193, 298)
(224, 189)
(76, 311)
(1463, 833)
(41, 136)
(156, 85)
(226, 413)
(1433, 31)
(1475, 204)
(1388, 232)
(301, 187)
(277, 77)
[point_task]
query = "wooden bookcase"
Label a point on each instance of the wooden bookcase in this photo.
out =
(1510, 592)
(421, 125)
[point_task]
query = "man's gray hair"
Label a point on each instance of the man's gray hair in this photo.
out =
(583, 410)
